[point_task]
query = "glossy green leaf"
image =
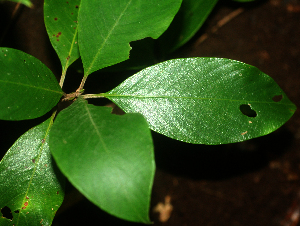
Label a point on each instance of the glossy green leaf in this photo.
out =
(205, 100)
(25, 2)
(61, 19)
(104, 34)
(30, 183)
(108, 158)
(28, 89)
(189, 19)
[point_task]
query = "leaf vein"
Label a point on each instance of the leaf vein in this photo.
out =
(107, 37)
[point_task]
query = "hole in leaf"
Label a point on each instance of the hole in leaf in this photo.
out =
(277, 98)
(6, 212)
(17, 211)
(246, 110)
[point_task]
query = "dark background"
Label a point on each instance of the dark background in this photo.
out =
(250, 183)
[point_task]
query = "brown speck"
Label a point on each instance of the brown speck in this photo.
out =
(58, 34)
(76, 6)
(67, 2)
(75, 21)
(72, 13)
(43, 140)
(27, 197)
(41, 221)
(57, 192)
(57, 39)
(244, 133)
(46, 165)
(68, 58)
(55, 18)
(33, 160)
(25, 205)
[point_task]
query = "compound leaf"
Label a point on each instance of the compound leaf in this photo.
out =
(105, 34)
(61, 19)
(108, 158)
(28, 89)
(30, 183)
(205, 100)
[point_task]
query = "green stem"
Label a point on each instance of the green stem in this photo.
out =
(87, 96)
(82, 84)
(62, 78)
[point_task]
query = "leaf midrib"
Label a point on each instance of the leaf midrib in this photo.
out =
(197, 98)
(41, 148)
(31, 86)
(107, 37)
(96, 128)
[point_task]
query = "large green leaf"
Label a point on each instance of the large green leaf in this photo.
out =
(205, 100)
(189, 19)
(108, 158)
(61, 23)
(107, 27)
(28, 89)
(30, 183)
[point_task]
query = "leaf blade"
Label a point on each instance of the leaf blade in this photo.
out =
(31, 86)
(104, 36)
(186, 23)
(197, 100)
(31, 185)
(108, 158)
(61, 20)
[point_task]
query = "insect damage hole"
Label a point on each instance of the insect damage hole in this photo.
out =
(277, 98)
(246, 110)
(6, 212)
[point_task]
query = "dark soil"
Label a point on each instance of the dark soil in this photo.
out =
(250, 183)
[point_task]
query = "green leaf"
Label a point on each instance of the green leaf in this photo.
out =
(108, 158)
(61, 23)
(30, 183)
(205, 100)
(104, 34)
(142, 55)
(28, 89)
(188, 20)
(25, 2)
